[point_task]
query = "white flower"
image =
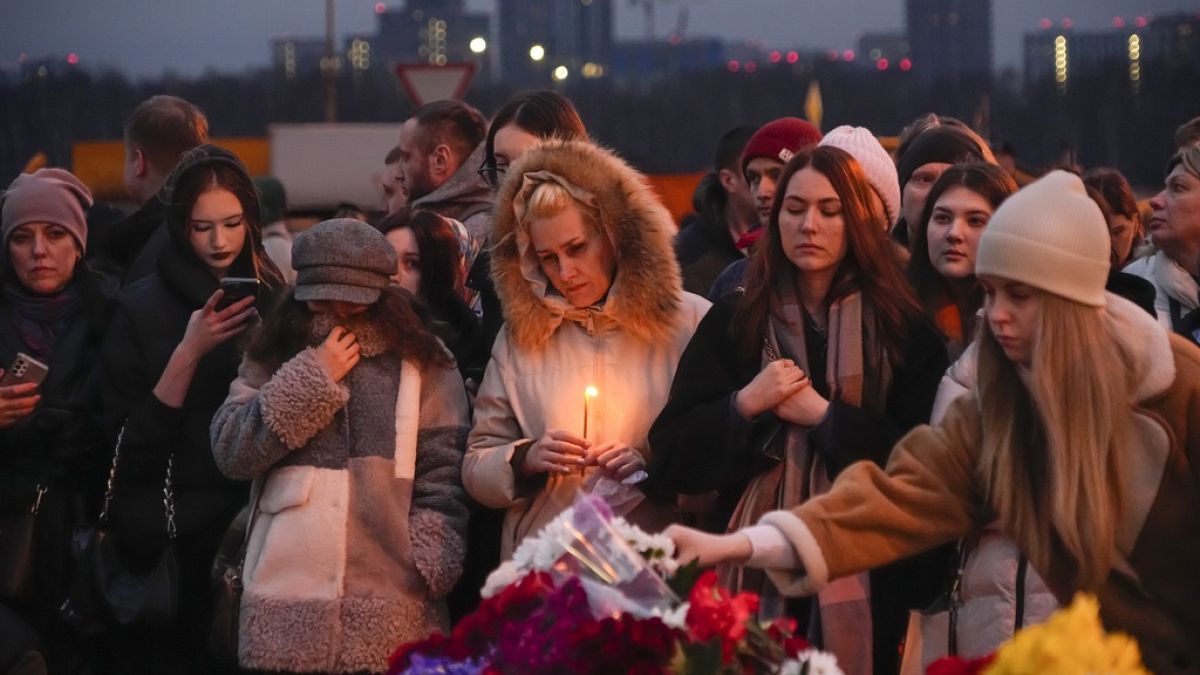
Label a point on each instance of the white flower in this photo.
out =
(819, 663)
(675, 618)
(658, 550)
(506, 574)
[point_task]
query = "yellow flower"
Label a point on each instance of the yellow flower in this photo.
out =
(1071, 642)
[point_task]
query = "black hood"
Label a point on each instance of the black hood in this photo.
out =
(179, 266)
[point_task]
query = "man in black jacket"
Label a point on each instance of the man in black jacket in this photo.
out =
(157, 134)
(724, 212)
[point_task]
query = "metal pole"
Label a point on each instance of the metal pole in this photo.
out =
(330, 66)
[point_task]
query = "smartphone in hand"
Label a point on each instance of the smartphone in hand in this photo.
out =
(236, 288)
(24, 369)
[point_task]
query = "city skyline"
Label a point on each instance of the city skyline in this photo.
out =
(116, 34)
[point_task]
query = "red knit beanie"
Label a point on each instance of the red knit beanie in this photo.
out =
(780, 139)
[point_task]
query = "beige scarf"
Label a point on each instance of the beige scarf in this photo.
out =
(859, 375)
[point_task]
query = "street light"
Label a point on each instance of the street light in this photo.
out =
(478, 45)
(561, 73)
(537, 52)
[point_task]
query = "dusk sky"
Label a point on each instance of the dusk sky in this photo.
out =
(145, 37)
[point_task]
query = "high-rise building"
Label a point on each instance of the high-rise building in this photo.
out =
(544, 39)
(431, 31)
(1058, 52)
(297, 56)
(950, 40)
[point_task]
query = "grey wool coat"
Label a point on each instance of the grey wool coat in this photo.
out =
(362, 519)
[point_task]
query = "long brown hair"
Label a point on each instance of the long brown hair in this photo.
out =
(404, 323)
(870, 264)
(1051, 463)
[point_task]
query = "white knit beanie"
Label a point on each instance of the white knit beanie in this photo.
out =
(1052, 236)
(861, 144)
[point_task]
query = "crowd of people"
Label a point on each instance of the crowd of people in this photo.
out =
(911, 404)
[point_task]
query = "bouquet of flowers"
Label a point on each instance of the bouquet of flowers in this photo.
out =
(592, 593)
(1071, 641)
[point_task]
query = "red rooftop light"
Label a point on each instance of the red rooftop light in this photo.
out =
(1067, 22)
(1140, 21)
(733, 66)
(905, 65)
(776, 56)
(793, 57)
(751, 66)
(73, 58)
(1118, 22)
(848, 55)
(1045, 24)
(882, 64)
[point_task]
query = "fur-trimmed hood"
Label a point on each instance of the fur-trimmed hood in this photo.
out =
(645, 299)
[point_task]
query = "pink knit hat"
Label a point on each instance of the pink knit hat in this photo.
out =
(862, 145)
(46, 196)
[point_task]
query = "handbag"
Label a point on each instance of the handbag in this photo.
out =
(227, 584)
(16, 552)
(107, 587)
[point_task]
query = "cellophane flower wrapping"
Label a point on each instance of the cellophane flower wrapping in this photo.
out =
(590, 594)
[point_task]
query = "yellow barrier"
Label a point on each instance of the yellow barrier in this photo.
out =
(100, 164)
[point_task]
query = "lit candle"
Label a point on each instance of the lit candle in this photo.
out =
(588, 393)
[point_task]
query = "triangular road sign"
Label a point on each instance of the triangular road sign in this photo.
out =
(425, 82)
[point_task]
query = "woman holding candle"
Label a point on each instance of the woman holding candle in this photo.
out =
(592, 297)
(824, 361)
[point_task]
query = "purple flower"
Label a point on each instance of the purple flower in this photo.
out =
(440, 665)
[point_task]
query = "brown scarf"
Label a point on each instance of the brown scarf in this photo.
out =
(859, 374)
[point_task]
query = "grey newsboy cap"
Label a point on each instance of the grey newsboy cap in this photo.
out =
(342, 259)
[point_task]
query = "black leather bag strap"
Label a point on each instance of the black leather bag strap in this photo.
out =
(964, 551)
(1022, 572)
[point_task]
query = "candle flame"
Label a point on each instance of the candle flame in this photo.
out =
(591, 392)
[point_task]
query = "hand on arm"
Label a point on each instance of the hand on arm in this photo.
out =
(803, 408)
(773, 384)
(206, 330)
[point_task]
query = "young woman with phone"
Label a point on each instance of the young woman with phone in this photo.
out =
(167, 361)
(52, 312)
(352, 415)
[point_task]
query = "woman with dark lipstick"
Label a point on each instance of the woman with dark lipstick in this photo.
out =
(166, 364)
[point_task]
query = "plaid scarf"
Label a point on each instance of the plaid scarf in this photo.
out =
(859, 374)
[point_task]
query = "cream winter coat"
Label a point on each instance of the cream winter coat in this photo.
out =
(548, 353)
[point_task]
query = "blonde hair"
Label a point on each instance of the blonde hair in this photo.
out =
(546, 200)
(1051, 458)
